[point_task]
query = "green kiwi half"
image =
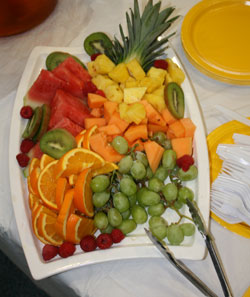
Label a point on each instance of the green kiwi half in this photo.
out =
(56, 58)
(174, 98)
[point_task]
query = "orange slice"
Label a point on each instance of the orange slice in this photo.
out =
(87, 135)
(83, 193)
(108, 167)
(79, 140)
(45, 160)
(78, 227)
(46, 227)
(67, 208)
(76, 160)
(62, 186)
(47, 185)
(33, 200)
(72, 179)
(29, 186)
(35, 173)
(35, 162)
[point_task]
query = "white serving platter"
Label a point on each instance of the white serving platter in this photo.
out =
(137, 244)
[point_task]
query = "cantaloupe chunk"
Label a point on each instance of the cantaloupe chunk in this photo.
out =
(139, 145)
(116, 120)
(153, 115)
(154, 153)
(167, 116)
(97, 112)
(110, 129)
(109, 108)
(189, 127)
(156, 128)
(95, 100)
(136, 132)
(182, 146)
(177, 129)
(90, 122)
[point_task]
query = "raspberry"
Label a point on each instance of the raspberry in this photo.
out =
(67, 249)
(49, 252)
(94, 56)
(185, 162)
(22, 159)
(161, 64)
(104, 241)
(26, 112)
(89, 87)
(88, 243)
(117, 235)
(101, 93)
(26, 145)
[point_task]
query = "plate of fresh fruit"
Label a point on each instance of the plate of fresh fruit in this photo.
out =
(106, 140)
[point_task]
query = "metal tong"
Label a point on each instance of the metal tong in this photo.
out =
(183, 268)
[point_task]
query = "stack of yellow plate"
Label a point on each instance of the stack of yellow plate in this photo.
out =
(216, 39)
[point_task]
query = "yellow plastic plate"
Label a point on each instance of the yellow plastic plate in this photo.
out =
(224, 134)
(215, 38)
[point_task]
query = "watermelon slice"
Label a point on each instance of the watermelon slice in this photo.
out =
(35, 152)
(68, 125)
(43, 89)
(71, 107)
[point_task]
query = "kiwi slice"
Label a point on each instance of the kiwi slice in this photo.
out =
(33, 123)
(56, 58)
(174, 98)
(57, 142)
(44, 122)
(97, 42)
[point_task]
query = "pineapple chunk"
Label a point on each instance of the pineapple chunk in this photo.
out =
(102, 82)
(91, 69)
(123, 108)
(135, 69)
(114, 93)
(156, 101)
(160, 91)
(150, 83)
(119, 73)
(168, 78)
(157, 73)
(103, 64)
(175, 72)
(131, 82)
(132, 95)
(136, 112)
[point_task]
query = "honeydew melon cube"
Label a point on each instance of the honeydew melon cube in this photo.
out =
(132, 95)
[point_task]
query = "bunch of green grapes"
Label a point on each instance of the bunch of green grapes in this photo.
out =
(133, 194)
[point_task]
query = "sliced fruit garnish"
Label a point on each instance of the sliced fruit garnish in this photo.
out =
(76, 160)
(45, 160)
(33, 200)
(47, 185)
(62, 186)
(35, 173)
(79, 140)
(35, 162)
(106, 168)
(72, 179)
(83, 193)
(87, 135)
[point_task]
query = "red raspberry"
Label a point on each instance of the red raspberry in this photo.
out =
(26, 112)
(49, 252)
(117, 235)
(161, 64)
(94, 56)
(88, 243)
(101, 93)
(185, 162)
(67, 249)
(26, 145)
(89, 87)
(22, 159)
(104, 241)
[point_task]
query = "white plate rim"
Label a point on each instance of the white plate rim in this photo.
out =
(133, 246)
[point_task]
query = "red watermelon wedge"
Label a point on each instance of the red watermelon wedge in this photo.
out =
(67, 124)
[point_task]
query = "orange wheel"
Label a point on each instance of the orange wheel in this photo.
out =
(35, 173)
(34, 163)
(33, 200)
(62, 186)
(79, 140)
(87, 135)
(76, 160)
(47, 185)
(45, 160)
(108, 167)
(83, 193)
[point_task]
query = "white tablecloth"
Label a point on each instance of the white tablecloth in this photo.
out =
(68, 25)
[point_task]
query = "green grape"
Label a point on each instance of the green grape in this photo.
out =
(175, 234)
(170, 192)
(99, 183)
(132, 200)
(120, 144)
(159, 232)
(114, 217)
(155, 184)
(127, 226)
(184, 194)
(167, 144)
(178, 204)
(101, 198)
(159, 137)
(138, 170)
(188, 229)
(121, 202)
(156, 210)
(149, 173)
(149, 198)
(139, 195)
(169, 159)
(101, 220)
(126, 214)
(191, 174)
(125, 164)
(108, 229)
(128, 186)
(139, 214)
(161, 173)
(156, 221)
(140, 156)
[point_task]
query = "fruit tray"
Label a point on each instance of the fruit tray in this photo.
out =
(135, 245)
